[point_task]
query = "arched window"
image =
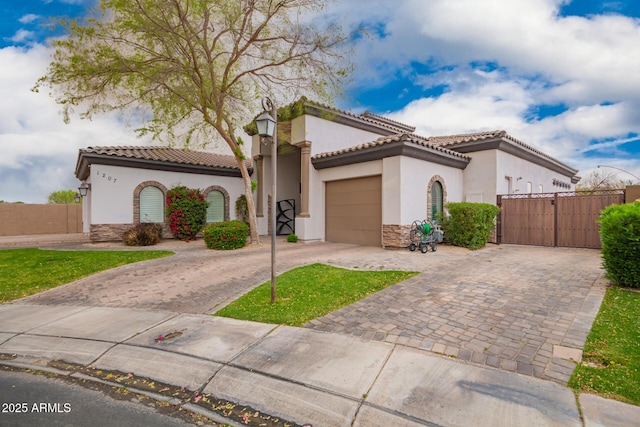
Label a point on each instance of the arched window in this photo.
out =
(151, 204)
(436, 199)
(216, 209)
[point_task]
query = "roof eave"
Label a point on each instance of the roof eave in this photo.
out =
(509, 146)
(86, 159)
(396, 148)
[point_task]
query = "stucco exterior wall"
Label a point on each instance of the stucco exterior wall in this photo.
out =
(480, 179)
(493, 172)
(111, 195)
(416, 175)
(326, 135)
(524, 172)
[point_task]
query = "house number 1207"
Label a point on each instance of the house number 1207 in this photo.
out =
(105, 176)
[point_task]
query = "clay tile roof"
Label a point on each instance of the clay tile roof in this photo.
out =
(416, 139)
(451, 140)
(388, 121)
(366, 117)
(170, 155)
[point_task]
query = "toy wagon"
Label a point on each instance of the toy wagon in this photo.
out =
(424, 235)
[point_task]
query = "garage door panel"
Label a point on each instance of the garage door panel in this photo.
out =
(357, 197)
(354, 211)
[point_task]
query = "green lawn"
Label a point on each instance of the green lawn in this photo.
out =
(308, 292)
(25, 272)
(611, 359)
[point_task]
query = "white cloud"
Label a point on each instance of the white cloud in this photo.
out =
(588, 64)
(28, 18)
(39, 150)
(22, 36)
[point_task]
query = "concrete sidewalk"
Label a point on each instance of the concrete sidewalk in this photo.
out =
(301, 375)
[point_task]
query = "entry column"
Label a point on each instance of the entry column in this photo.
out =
(305, 164)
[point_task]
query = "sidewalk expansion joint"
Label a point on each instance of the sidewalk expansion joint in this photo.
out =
(193, 402)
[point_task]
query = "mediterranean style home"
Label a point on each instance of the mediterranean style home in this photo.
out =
(341, 177)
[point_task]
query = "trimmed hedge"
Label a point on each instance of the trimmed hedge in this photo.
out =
(143, 234)
(469, 224)
(226, 235)
(620, 235)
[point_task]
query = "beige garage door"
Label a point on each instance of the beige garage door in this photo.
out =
(354, 211)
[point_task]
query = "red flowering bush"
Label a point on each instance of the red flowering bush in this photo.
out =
(187, 211)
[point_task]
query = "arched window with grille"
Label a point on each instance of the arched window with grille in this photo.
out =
(216, 209)
(435, 199)
(151, 204)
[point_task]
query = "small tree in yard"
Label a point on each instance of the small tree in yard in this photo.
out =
(196, 70)
(62, 197)
(600, 180)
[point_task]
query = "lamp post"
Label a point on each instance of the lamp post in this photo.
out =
(267, 125)
(613, 167)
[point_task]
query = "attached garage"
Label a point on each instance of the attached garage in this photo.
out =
(354, 211)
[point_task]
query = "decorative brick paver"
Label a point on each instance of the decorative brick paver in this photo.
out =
(502, 306)
(505, 307)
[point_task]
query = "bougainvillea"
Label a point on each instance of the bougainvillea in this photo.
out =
(187, 211)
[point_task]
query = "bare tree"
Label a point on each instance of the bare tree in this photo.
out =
(600, 180)
(194, 71)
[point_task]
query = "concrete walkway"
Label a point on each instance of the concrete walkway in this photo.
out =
(297, 374)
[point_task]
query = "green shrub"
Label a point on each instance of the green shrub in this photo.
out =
(187, 210)
(620, 235)
(143, 234)
(226, 235)
(292, 238)
(469, 224)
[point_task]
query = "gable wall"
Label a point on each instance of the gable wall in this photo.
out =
(326, 135)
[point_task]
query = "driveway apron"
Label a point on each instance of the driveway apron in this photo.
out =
(523, 309)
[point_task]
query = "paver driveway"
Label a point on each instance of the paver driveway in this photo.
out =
(505, 306)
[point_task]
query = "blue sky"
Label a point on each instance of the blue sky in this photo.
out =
(563, 76)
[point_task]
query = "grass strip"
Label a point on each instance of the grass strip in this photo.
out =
(308, 292)
(610, 364)
(24, 272)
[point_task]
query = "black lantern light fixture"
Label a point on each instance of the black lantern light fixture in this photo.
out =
(84, 189)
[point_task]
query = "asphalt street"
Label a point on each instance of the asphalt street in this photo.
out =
(37, 400)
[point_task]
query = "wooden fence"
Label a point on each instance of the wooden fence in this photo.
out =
(566, 219)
